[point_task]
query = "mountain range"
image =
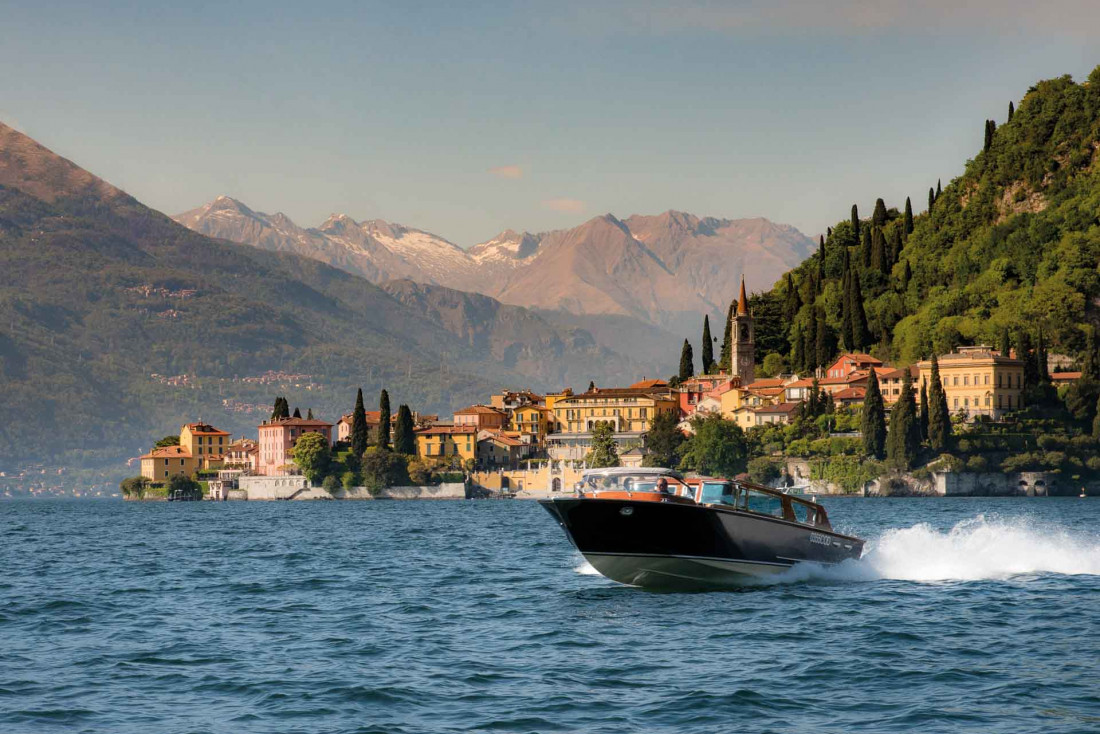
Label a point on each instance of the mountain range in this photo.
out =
(667, 270)
(117, 325)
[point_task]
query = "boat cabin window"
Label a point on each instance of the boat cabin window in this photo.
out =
(804, 513)
(634, 483)
(765, 504)
(717, 493)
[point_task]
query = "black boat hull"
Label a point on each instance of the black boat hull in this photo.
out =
(672, 545)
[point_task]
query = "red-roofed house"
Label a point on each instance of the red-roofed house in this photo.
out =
(441, 442)
(343, 426)
(168, 461)
(778, 413)
(1064, 378)
(277, 439)
(849, 396)
(849, 363)
(482, 417)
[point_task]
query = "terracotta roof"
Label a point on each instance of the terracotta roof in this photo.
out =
(859, 357)
(373, 417)
(805, 382)
(616, 392)
(778, 408)
(914, 371)
(168, 452)
(501, 438)
(766, 382)
(437, 430)
(479, 410)
(852, 393)
(768, 391)
(649, 384)
(205, 429)
(1065, 376)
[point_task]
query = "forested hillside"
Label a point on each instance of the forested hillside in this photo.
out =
(1005, 253)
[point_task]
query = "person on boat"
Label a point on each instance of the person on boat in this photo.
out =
(662, 486)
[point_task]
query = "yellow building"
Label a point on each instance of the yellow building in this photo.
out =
(161, 464)
(205, 443)
(441, 442)
(628, 410)
(978, 381)
(533, 419)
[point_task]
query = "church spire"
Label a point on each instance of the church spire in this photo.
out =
(742, 299)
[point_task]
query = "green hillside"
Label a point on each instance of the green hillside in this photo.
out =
(104, 301)
(1008, 251)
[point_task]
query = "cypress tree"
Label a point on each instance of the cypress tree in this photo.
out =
(708, 347)
(906, 275)
(309, 414)
(1027, 354)
(939, 188)
(878, 251)
(1005, 346)
(939, 417)
(1011, 111)
(873, 424)
(1096, 421)
(1041, 359)
(727, 340)
(813, 404)
(855, 221)
(878, 218)
(359, 434)
(591, 386)
(902, 441)
(988, 135)
(1090, 360)
(404, 436)
(821, 261)
(908, 216)
(923, 425)
(865, 249)
(824, 342)
(846, 305)
(687, 361)
(798, 345)
(861, 336)
(931, 198)
(281, 409)
(792, 304)
(809, 342)
(895, 249)
(297, 413)
(384, 421)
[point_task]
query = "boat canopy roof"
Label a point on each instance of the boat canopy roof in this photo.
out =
(643, 471)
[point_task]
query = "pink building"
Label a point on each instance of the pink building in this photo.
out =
(277, 438)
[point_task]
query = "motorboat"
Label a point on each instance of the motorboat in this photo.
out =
(654, 528)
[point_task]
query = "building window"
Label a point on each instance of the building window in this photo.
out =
(955, 380)
(966, 379)
(956, 402)
(986, 376)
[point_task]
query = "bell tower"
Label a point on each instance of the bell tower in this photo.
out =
(743, 338)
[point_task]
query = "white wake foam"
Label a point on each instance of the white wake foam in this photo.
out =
(974, 549)
(584, 568)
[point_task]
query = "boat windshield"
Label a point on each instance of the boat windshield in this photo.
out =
(718, 493)
(635, 483)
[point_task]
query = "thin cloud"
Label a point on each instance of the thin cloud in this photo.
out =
(507, 171)
(564, 205)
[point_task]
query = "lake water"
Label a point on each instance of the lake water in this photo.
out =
(975, 615)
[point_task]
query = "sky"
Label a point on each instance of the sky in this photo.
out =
(468, 118)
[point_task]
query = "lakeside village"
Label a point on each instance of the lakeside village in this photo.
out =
(956, 423)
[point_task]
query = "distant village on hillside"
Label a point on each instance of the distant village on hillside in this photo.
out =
(515, 430)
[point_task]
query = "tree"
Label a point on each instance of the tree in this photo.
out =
(824, 339)
(939, 417)
(280, 410)
(663, 440)
(591, 386)
(384, 421)
(878, 218)
(687, 362)
(855, 221)
(895, 250)
(906, 275)
(908, 216)
(860, 336)
(846, 305)
(903, 439)
(312, 455)
(939, 188)
(134, 487)
(1011, 111)
(878, 251)
(793, 303)
(1027, 354)
(990, 126)
(1090, 360)
(167, 441)
(297, 413)
(865, 249)
(1005, 347)
(923, 421)
(873, 424)
(708, 347)
(1096, 421)
(931, 198)
(1042, 368)
(309, 414)
(184, 488)
(821, 260)
(604, 452)
(814, 407)
(727, 340)
(359, 433)
(404, 432)
(718, 447)
(383, 468)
